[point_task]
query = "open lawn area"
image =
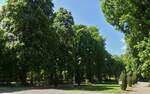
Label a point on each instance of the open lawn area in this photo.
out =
(99, 87)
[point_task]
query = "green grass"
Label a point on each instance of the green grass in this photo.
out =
(114, 88)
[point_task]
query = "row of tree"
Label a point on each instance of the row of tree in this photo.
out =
(41, 47)
(132, 18)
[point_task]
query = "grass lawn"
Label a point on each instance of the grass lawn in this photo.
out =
(114, 88)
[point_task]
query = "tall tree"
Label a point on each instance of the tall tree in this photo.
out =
(132, 18)
(90, 50)
(29, 21)
(144, 55)
(63, 25)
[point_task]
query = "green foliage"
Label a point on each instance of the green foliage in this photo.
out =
(123, 79)
(89, 46)
(26, 27)
(130, 17)
(113, 66)
(41, 47)
(62, 53)
(118, 65)
(134, 78)
(144, 56)
(129, 79)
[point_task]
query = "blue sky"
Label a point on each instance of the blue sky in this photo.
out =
(1, 2)
(88, 12)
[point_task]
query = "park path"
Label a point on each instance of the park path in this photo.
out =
(47, 91)
(140, 88)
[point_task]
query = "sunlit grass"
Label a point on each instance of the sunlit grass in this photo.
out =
(114, 88)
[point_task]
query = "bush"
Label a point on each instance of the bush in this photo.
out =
(134, 78)
(123, 79)
(129, 79)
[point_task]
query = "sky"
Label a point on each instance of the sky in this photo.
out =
(1, 2)
(88, 12)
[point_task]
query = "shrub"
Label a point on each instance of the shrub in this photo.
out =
(129, 80)
(134, 78)
(123, 79)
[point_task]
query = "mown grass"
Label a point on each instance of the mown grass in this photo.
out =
(114, 88)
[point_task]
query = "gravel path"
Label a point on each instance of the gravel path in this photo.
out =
(44, 91)
(140, 88)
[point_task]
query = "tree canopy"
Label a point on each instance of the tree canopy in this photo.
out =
(132, 18)
(41, 47)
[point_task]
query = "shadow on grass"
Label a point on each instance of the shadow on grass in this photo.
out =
(93, 87)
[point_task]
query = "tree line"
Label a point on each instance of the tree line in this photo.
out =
(40, 47)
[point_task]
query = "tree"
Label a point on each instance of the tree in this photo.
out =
(42, 47)
(118, 66)
(90, 50)
(63, 25)
(144, 50)
(134, 78)
(123, 15)
(113, 66)
(130, 68)
(123, 79)
(29, 22)
(9, 43)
